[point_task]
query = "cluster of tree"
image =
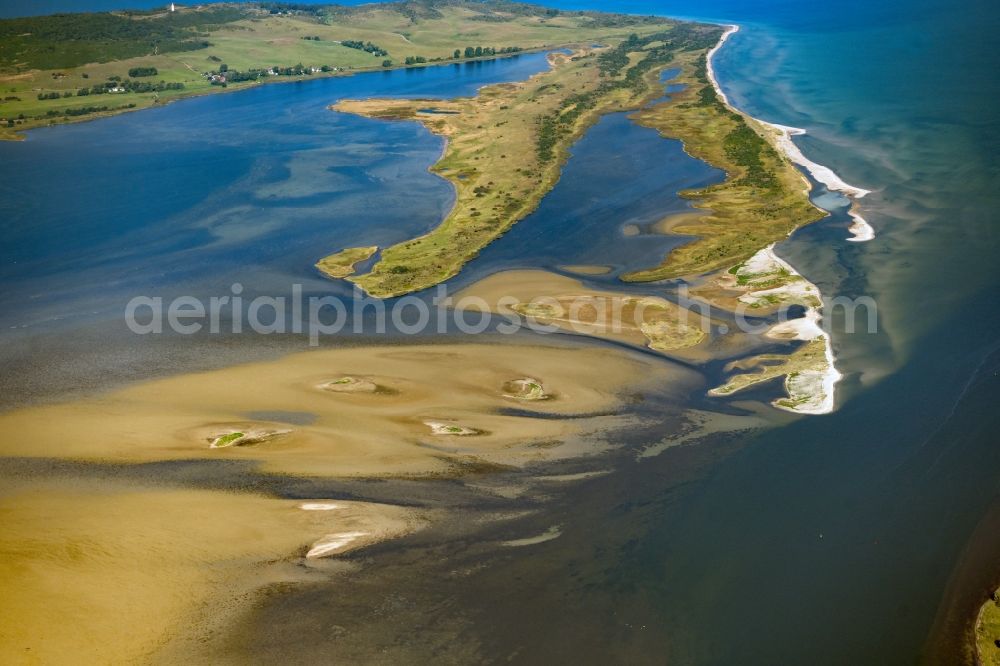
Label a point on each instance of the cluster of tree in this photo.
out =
(292, 8)
(312, 38)
(612, 62)
(82, 111)
(745, 147)
(508, 11)
(66, 93)
(233, 76)
(602, 20)
(415, 60)
(93, 109)
(479, 51)
(136, 72)
(129, 86)
(367, 47)
(417, 11)
(144, 86)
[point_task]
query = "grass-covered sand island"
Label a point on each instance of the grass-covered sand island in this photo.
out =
(545, 299)
(506, 146)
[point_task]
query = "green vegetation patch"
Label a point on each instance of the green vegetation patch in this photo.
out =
(506, 146)
(227, 440)
(762, 199)
(341, 264)
(525, 389)
(809, 358)
(988, 632)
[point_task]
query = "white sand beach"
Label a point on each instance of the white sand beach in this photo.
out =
(811, 387)
(860, 230)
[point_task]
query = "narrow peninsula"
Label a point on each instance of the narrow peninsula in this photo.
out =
(505, 150)
(506, 146)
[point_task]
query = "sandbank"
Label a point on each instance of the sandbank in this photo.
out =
(548, 302)
(810, 372)
(382, 433)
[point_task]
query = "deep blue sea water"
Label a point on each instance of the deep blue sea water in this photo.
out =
(832, 539)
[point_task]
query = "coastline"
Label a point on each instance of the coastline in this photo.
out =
(807, 327)
(20, 133)
(861, 230)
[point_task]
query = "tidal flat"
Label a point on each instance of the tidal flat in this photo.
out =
(377, 433)
(79, 552)
(100, 571)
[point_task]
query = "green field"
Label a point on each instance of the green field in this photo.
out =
(65, 54)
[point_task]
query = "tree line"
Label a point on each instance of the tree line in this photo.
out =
(480, 51)
(367, 47)
(127, 86)
(255, 74)
(469, 52)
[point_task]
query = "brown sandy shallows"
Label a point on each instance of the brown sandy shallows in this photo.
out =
(119, 572)
(105, 572)
(555, 300)
(669, 224)
(381, 433)
(587, 269)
